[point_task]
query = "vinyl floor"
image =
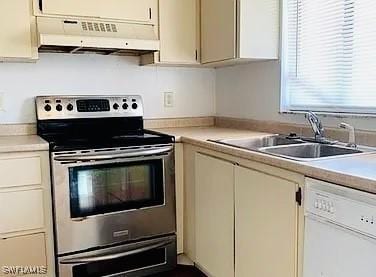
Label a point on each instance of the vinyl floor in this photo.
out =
(182, 271)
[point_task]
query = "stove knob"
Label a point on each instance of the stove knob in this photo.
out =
(116, 106)
(70, 107)
(47, 108)
(125, 106)
(59, 107)
(134, 106)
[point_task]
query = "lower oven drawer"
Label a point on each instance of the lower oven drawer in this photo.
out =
(135, 259)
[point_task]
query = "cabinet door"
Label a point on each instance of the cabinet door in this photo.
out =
(22, 251)
(24, 211)
(214, 216)
(10, 171)
(265, 225)
(16, 30)
(140, 10)
(218, 30)
(178, 31)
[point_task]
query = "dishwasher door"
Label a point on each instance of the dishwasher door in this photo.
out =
(333, 251)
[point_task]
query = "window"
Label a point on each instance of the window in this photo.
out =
(329, 56)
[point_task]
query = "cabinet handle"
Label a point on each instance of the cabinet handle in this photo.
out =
(150, 14)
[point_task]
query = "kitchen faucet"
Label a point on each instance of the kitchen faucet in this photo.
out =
(318, 129)
(316, 125)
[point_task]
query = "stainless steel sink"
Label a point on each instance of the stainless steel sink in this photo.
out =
(259, 142)
(293, 148)
(310, 151)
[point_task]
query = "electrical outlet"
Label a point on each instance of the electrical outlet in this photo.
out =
(169, 99)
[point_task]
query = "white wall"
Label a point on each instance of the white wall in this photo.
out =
(253, 91)
(94, 74)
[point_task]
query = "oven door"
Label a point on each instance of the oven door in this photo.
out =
(109, 196)
(135, 259)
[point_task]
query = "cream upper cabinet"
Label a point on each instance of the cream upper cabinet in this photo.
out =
(218, 30)
(239, 30)
(178, 26)
(129, 10)
(17, 31)
(214, 206)
(266, 225)
(179, 34)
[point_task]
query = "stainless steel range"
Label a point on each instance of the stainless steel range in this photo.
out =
(113, 186)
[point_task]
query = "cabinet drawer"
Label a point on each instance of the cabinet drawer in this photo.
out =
(20, 172)
(24, 210)
(22, 251)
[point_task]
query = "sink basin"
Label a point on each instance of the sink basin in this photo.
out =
(310, 151)
(259, 142)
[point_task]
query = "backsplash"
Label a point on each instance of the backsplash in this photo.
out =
(194, 88)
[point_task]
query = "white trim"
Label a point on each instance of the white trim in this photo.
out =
(285, 108)
(283, 51)
(329, 114)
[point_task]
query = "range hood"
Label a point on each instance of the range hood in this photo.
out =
(77, 35)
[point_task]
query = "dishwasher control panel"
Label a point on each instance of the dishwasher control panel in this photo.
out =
(342, 206)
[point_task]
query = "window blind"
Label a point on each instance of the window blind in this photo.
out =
(329, 56)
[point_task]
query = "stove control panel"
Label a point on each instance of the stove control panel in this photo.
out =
(69, 107)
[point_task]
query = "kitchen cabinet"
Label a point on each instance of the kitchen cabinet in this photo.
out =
(234, 31)
(179, 34)
(218, 30)
(266, 224)
(241, 216)
(17, 31)
(179, 188)
(214, 216)
(128, 10)
(29, 250)
(27, 210)
(26, 236)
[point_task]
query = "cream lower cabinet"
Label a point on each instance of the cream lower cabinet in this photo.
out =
(266, 225)
(214, 216)
(179, 188)
(26, 236)
(24, 251)
(247, 220)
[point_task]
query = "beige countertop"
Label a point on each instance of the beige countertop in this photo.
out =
(22, 143)
(357, 172)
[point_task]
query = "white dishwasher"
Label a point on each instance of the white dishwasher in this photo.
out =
(340, 231)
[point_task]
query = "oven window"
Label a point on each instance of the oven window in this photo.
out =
(116, 187)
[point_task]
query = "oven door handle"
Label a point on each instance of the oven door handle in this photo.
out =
(126, 154)
(92, 259)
